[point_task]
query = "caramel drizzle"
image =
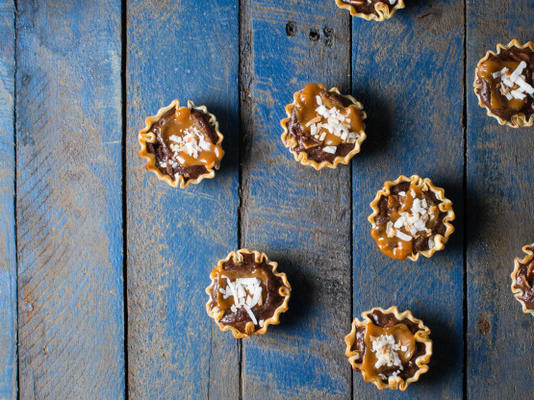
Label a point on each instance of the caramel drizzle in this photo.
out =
(498, 100)
(402, 336)
(221, 276)
(187, 139)
(306, 106)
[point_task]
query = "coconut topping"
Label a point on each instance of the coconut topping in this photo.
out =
(246, 293)
(192, 142)
(513, 84)
(336, 123)
(386, 351)
(410, 224)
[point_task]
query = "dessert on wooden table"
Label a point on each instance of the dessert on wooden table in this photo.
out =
(182, 145)
(523, 280)
(246, 293)
(324, 128)
(389, 348)
(504, 84)
(377, 10)
(410, 217)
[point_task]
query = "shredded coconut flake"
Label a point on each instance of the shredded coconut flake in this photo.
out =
(330, 149)
(385, 348)
(246, 293)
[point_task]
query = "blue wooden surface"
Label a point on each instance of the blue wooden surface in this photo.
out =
(8, 272)
(241, 60)
(69, 218)
(408, 73)
(176, 237)
(299, 216)
(500, 218)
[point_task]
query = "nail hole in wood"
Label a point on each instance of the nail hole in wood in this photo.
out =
(291, 28)
(314, 35)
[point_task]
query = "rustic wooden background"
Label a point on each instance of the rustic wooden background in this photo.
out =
(103, 267)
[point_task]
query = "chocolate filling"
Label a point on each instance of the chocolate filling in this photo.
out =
(368, 6)
(304, 140)
(485, 91)
(420, 243)
(273, 299)
(384, 321)
(525, 280)
(163, 153)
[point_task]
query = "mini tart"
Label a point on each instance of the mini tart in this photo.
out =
(246, 293)
(523, 280)
(389, 348)
(377, 10)
(411, 217)
(182, 145)
(324, 128)
(504, 84)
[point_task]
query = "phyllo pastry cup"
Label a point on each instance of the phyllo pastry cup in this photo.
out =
(246, 294)
(389, 348)
(323, 128)
(182, 145)
(377, 10)
(504, 84)
(523, 280)
(411, 217)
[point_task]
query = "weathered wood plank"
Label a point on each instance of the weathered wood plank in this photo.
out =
(8, 270)
(499, 218)
(180, 49)
(69, 216)
(408, 74)
(300, 217)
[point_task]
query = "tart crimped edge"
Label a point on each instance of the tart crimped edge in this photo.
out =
(517, 120)
(382, 10)
(444, 206)
(148, 137)
(302, 157)
(394, 382)
(529, 256)
(285, 291)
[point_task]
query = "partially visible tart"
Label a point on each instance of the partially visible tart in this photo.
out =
(410, 217)
(504, 84)
(324, 128)
(389, 348)
(523, 280)
(377, 10)
(246, 293)
(182, 145)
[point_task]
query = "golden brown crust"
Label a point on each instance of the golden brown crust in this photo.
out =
(250, 329)
(517, 120)
(445, 206)
(302, 157)
(381, 9)
(394, 382)
(148, 137)
(518, 292)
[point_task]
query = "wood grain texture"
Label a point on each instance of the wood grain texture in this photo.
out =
(408, 73)
(300, 217)
(499, 218)
(69, 200)
(8, 268)
(186, 50)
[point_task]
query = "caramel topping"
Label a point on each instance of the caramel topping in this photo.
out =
(411, 215)
(185, 135)
(324, 117)
(236, 287)
(490, 71)
(388, 349)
